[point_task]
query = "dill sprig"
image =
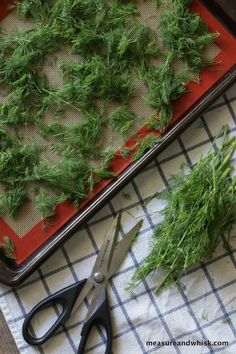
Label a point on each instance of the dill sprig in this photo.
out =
(68, 176)
(164, 85)
(47, 202)
(200, 207)
(17, 159)
(81, 139)
(8, 248)
(37, 10)
(122, 119)
(134, 46)
(21, 50)
(13, 199)
(186, 34)
(145, 144)
(93, 79)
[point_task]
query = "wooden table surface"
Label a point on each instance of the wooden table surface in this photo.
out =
(229, 6)
(7, 344)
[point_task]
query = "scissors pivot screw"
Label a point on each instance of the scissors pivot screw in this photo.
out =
(98, 277)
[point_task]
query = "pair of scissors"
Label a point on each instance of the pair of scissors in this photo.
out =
(107, 263)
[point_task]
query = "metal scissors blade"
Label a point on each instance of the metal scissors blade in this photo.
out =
(98, 297)
(122, 248)
(118, 256)
(103, 259)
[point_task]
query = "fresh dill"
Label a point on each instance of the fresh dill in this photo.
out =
(38, 10)
(186, 34)
(12, 200)
(47, 202)
(164, 86)
(200, 207)
(122, 119)
(17, 159)
(145, 144)
(115, 48)
(8, 248)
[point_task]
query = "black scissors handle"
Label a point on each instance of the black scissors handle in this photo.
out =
(66, 298)
(100, 317)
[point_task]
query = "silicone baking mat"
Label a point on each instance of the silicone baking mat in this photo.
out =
(27, 230)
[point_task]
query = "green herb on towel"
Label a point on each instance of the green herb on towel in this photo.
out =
(200, 207)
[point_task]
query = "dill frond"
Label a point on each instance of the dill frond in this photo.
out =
(46, 203)
(8, 248)
(83, 138)
(122, 119)
(200, 207)
(164, 86)
(37, 10)
(68, 177)
(186, 34)
(13, 199)
(107, 156)
(92, 79)
(16, 159)
(145, 144)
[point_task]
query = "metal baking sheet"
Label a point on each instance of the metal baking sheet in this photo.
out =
(37, 248)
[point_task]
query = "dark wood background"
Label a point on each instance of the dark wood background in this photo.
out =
(229, 6)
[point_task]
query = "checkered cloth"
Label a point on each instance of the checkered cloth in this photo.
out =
(202, 308)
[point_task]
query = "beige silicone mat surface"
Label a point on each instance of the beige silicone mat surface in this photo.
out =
(28, 216)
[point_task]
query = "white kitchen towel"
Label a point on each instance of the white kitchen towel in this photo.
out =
(198, 316)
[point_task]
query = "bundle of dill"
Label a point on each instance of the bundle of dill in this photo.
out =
(200, 207)
(114, 49)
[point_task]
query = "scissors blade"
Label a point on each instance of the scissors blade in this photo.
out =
(122, 248)
(103, 258)
(83, 294)
(97, 300)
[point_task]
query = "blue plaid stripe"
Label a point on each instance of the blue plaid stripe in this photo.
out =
(145, 292)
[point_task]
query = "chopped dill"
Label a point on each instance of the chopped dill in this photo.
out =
(115, 49)
(122, 119)
(12, 200)
(201, 206)
(126, 151)
(38, 10)
(107, 156)
(186, 34)
(164, 86)
(145, 144)
(47, 202)
(8, 248)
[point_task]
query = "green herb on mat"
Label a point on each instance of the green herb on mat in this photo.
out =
(113, 51)
(126, 151)
(122, 119)
(186, 34)
(201, 206)
(145, 144)
(38, 10)
(164, 86)
(47, 202)
(8, 248)
(13, 199)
